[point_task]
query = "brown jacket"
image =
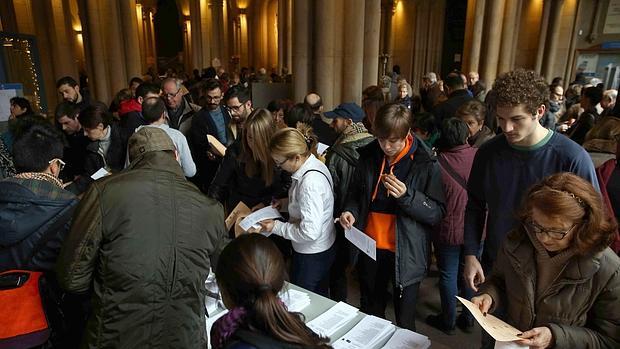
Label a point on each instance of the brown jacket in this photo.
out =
(581, 307)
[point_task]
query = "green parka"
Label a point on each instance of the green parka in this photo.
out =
(581, 307)
(142, 242)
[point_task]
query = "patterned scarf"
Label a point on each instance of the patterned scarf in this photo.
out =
(40, 176)
(226, 326)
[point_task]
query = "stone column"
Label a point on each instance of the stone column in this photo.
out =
(194, 21)
(324, 50)
(289, 35)
(61, 40)
(217, 26)
(8, 17)
(542, 36)
(301, 33)
(115, 49)
(130, 37)
(281, 34)
(141, 41)
(476, 42)
(98, 77)
(339, 41)
(353, 51)
(509, 35)
(491, 58)
(386, 30)
(553, 36)
(205, 30)
(372, 29)
(41, 28)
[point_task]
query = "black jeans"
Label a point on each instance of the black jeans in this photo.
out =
(311, 271)
(374, 278)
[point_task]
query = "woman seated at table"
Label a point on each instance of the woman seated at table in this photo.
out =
(555, 275)
(250, 273)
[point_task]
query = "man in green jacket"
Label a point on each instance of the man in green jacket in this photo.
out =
(142, 242)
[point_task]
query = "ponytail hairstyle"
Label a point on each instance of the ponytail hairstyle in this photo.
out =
(289, 142)
(260, 126)
(250, 273)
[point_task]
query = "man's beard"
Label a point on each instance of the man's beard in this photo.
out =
(212, 106)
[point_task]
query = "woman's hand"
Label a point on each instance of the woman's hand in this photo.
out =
(394, 186)
(347, 220)
(484, 302)
(267, 225)
(537, 338)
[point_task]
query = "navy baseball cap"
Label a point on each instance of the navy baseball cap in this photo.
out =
(347, 111)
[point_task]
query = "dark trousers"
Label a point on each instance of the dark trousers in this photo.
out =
(375, 277)
(311, 271)
(450, 263)
(338, 273)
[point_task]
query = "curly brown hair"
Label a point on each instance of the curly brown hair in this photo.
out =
(566, 196)
(521, 87)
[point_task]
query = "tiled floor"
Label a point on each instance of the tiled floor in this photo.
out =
(428, 303)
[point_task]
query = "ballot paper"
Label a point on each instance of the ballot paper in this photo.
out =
(295, 300)
(102, 172)
(333, 319)
(257, 216)
(321, 148)
(498, 329)
(406, 339)
(368, 333)
(362, 241)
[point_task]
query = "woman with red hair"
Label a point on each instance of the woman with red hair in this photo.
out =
(555, 275)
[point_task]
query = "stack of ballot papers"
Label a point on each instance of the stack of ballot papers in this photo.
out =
(294, 300)
(333, 319)
(368, 333)
(405, 339)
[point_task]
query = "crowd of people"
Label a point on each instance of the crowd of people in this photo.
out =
(513, 192)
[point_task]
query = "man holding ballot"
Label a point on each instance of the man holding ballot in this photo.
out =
(395, 198)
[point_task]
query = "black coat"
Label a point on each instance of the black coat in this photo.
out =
(203, 125)
(417, 211)
(34, 220)
(447, 109)
(231, 184)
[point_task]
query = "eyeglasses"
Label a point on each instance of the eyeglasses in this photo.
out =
(61, 163)
(234, 108)
(213, 98)
(279, 164)
(555, 234)
(170, 95)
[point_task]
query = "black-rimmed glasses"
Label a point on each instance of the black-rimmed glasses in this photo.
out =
(555, 234)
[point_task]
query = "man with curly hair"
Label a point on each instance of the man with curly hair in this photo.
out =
(507, 165)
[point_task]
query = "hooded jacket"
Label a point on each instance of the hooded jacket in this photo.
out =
(421, 207)
(34, 220)
(142, 241)
(581, 307)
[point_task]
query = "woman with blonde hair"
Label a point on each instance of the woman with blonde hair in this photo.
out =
(310, 227)
(247, 172)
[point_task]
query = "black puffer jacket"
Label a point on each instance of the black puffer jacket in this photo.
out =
(34, 220)
(421, 207)
(341, 160)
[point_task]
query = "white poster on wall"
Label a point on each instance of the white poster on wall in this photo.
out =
(5, 103)
(587, 62)
(612, 20)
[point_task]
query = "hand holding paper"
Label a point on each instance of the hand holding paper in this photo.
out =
(497, 328)
(362, 241)
(258, 216)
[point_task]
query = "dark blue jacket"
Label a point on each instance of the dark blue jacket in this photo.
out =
(34, 219)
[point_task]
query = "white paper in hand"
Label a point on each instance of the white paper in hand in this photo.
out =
(362, 241)
(321, 148)
(259, 216)
(102, 172)
(498, 329)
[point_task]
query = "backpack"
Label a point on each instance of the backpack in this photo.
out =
(23, 321)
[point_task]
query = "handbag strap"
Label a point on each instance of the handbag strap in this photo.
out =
(458, 178)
